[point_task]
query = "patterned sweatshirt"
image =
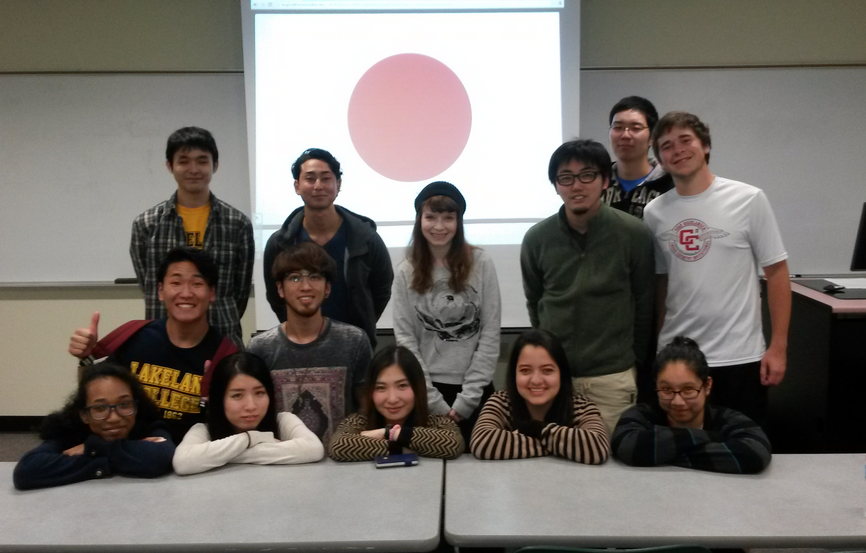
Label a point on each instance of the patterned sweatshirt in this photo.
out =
(728, 442)
(440, 438)
(584, 441)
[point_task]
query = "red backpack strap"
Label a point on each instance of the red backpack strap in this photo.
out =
(117, 337)
(226, 348)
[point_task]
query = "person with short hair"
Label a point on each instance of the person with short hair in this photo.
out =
(682, 428)
(243, 425)
(193, 216)
(711, 235)
(539, 414)
(635, 179)
(361, 284)
(108, 426)
(588, 280)
(317, 363)
(167, 355)
(394, 418)
(447, 307)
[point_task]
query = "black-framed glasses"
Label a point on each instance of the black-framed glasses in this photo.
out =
(102, 411)
(685, 393)
(586, 177)
(620, 128)
(312, 278)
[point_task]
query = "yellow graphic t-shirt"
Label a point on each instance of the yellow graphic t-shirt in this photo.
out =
(194, 223)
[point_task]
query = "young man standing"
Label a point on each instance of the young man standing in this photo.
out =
(711, 234)
(636, 180)
(318, 363)
(361, 286)
(193, 216)
(167, 355)
(588, 279)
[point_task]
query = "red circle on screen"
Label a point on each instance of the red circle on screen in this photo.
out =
(409, 117)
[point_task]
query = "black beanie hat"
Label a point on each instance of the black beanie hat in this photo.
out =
(440, 188)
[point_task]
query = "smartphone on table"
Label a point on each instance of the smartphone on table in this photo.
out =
(398, 460)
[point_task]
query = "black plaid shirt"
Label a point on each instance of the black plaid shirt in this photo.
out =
(228, 238)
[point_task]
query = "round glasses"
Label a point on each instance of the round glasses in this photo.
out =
(297, 278)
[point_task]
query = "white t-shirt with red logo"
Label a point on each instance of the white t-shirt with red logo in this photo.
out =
(710, 245)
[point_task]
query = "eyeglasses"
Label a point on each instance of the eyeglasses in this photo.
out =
(620, 128)
(100, 412)
(685, 393)
(586, 177)
(297, 278)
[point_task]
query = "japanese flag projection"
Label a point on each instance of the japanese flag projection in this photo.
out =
(405, 99)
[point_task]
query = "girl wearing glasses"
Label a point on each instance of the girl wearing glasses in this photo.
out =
(539, 414)
(243, 425)
(109, 426)
(683, 429)
(396, 415)
(447, 306)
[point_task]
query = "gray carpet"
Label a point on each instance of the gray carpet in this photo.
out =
(15, 444)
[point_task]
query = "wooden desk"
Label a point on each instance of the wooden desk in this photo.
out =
(819, 405)
(799, 501)
(324, 506)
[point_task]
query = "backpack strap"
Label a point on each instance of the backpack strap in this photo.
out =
(117, 337)
(226, 348)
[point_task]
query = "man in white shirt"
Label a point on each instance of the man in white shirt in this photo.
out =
(711, 234)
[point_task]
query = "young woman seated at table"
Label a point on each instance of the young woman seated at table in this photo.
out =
(539, 414)
(682, 428)
(243, 425)
(395, 419)
(109, 426)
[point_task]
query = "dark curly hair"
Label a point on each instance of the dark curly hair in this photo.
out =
(66, 426)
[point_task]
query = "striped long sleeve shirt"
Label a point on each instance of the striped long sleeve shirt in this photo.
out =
(728, 442)
(584, 441)
(440, 439)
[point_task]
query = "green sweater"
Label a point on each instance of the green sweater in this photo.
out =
(598, 300)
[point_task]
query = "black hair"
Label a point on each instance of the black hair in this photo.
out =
(562, 410)
(321, 155)
(685, 350)
(636, 103)
(188, 138)
(229, 367)
(307, 256)
(408, 363)
(588, 152)
(66, 426)
(201, 259)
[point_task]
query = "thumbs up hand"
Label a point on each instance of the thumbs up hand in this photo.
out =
(83, 340)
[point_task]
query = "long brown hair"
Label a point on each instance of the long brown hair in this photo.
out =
(459, 257)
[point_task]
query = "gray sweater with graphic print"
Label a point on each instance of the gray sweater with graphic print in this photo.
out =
(455, 335)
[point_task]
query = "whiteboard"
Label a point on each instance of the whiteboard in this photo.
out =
(796, 133)
(82, 154)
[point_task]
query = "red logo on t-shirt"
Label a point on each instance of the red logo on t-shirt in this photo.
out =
(690, 239)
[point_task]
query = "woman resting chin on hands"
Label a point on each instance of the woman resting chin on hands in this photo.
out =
(243, 425)
(109, 426)
(396, 417)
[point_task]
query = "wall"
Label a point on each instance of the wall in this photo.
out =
(205, 36)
